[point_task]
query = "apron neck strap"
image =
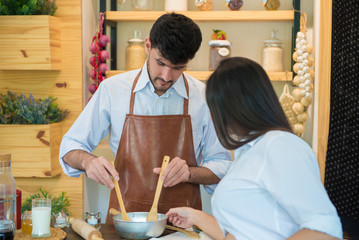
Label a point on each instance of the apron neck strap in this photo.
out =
(132, 100)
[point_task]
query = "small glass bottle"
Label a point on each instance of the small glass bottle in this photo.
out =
(135, 52)
(272, 56)
(142, 5)
(94, 219)
(219, 50)
(7, 199)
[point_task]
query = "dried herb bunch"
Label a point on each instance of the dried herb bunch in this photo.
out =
(18, 109)
(28, 7)
(57, 203)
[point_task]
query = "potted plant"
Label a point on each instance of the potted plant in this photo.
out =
(29, 35)
(30, 130)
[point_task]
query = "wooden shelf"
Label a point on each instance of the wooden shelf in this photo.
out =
(208, 16)
(203, 75)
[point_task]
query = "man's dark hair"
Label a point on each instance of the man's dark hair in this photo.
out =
(177, 37)
(243, 103)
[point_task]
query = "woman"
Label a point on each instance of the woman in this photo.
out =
(273, 189)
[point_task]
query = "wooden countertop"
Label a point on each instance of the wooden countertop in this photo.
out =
(108, 233)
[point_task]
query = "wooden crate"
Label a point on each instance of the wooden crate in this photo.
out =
(34, 149)
(30, 42)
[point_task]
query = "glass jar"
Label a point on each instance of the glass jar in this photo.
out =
(204, 5)
(142, 5)
(7, 199)
(272, 55)
(219, 50)
(94, 219)
(234, 4)
(271, 4)
(26, 222)
(135, 54)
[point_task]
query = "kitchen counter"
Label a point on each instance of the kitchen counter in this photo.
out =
(108, 233)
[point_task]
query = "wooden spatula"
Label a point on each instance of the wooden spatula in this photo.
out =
(152, 215)
(188, 233)
(120, 201)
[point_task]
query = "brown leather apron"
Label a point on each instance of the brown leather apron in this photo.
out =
(145, 140)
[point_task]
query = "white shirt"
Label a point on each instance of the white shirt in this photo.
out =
(273, 190)
(107, 109)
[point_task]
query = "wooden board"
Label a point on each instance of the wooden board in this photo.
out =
(34, 149)
(30, 42)
(324, 76)
(54, 186)
(204, 75)
(212, 16)
(56, 234)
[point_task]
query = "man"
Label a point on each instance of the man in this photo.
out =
(151, 112)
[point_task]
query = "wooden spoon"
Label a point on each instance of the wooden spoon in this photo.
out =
(152, 215)
(188, 233)
(120, 201)
(114, 212)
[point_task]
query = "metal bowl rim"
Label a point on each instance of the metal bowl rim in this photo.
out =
(135, 213)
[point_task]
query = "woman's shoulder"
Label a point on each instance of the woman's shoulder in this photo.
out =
(280, 136)
(283, 141)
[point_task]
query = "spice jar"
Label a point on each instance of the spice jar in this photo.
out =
(272, 56)
(219, 50)
(94, 219)
(135, 53)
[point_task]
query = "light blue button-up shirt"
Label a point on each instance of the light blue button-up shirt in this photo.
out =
(273, 190)
(106, 112)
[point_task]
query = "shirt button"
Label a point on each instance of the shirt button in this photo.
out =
(158, 100)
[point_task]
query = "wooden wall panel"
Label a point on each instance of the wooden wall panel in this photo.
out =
(65, 84)
(325, 43)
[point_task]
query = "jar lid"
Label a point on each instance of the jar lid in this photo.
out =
(136, 40)
(5, 157)
(273, 41)
(224, 43)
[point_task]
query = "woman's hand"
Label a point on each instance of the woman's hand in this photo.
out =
(181, 217)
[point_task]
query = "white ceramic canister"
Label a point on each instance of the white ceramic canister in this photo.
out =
(175, 5)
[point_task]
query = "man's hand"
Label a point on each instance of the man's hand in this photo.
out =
(177, 171)
(100, 170)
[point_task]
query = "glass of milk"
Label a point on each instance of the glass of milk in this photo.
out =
(41, 215)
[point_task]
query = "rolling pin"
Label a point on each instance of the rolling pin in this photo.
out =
(85, 230)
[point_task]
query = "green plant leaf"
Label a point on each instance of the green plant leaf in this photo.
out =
(57, 203)
(18, 109)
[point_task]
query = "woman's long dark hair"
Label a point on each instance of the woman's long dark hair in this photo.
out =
(243, 103)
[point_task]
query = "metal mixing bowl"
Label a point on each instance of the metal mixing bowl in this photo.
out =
(138, 227)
